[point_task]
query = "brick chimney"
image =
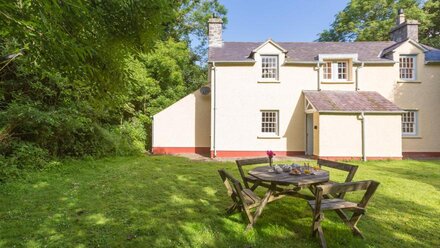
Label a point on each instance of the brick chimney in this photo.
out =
(404, 29)
(215, 30)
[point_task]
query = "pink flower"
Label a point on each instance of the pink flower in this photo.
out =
(270, 153)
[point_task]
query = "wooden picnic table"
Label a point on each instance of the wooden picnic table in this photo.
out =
(284, 178)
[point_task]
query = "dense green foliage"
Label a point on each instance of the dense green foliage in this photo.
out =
(164, 201)
(82, 78)
(370, 20)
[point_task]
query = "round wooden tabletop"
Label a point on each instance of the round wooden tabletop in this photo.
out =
(262, 173)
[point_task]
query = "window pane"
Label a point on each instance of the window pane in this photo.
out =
(407, 67)
(327, 70)
(269, 122)
(409, 123)
(269, 67)
(342, 70)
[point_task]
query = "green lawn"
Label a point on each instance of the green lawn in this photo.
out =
(163, 201)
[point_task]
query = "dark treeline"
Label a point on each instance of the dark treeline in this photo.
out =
(83, 77)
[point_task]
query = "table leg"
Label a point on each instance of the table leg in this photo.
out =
(263, 204)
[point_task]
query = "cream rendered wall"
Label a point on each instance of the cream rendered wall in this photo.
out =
(383, 136)
(422, 95)
(186, 123)
(340, 135)
(380, 78)
(240, 97)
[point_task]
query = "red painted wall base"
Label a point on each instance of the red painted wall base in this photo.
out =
(177, 150)
(342, 158)
(240, 154)
(229, 154)
(421, 154)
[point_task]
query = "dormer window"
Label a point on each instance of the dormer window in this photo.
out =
(336, 70)
(269, 66)
(407, 67)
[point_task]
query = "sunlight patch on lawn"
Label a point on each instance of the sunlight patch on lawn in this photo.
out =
(199, 234)
(98, 219)
(182, 178)
(32, 244)
(181, 200)
(406, 238)
(204, 202)
(40, 185)
(209, 191)
(56, 237)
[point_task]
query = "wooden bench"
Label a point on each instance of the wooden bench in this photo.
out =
(351, 169)
(243, 199)
(322, 203)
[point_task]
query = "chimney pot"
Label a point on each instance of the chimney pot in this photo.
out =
(400, 17)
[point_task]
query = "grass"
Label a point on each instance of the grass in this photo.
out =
(163, 201)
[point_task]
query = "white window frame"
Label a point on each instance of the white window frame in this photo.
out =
(265, 122)
(408, 121)
(327, 70)
(413, 68)
(334, 71)
(276, 67)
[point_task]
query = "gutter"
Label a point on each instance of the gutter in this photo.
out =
(362, 118)
(358, 112)
(214, 98)
(319, 75)
(432, 62)
(152, 134)
(299, 62)
(365, 62)
(250, 62)
(357, 76)
(378, 62)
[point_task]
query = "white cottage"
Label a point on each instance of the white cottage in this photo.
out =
(334, 100)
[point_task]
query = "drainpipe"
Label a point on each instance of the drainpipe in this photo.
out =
(214, 91)
(357, 76)
(152, 134)
(319, 75)
(362, 118)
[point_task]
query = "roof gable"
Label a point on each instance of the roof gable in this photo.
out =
(273, 43)
(398, 44)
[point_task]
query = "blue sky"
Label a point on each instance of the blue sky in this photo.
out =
(281, 20)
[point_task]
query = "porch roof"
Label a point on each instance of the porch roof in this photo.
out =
(349, 101)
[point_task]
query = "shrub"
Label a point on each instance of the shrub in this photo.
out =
(24, 156)
(132, 137)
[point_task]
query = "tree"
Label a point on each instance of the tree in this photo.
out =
(191, 24)
(430, 35)
(83, 77)
(369, 20)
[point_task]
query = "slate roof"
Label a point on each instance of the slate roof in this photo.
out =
(432, 56)
(349, 101)
(302, 51)
(309, 51)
